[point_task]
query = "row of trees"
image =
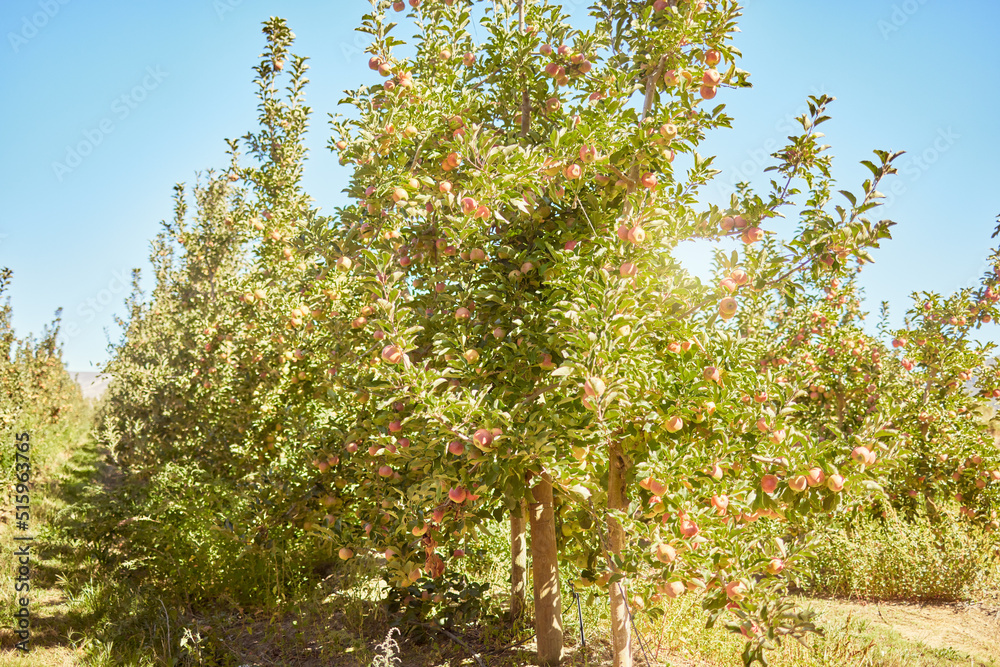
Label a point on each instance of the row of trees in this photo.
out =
(498, 326)
(35, 389)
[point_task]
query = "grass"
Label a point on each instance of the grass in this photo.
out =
(92, 612)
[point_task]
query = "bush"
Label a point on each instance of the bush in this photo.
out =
(886, 558)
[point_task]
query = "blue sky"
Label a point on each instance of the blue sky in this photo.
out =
(151, 90)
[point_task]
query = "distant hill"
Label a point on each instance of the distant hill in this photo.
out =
(93, 384)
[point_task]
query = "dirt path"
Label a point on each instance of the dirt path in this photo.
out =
(973, 628)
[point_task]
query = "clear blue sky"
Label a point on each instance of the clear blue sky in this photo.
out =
(155, 88)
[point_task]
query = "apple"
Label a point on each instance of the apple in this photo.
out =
(545, 49)
(673, 589)
(444, 186)
(715, 472)
(707, 92)
(815, 476)
(720, 503)
(689, 528)
(444, 54)
(798, 483)
(712, 57)
(345, 553)
(711, 373)
(385, 471)
(777, 436)
(835, 483)
(482, 438)
(671, 77)
(628, 270)
(861, 454)
(462, 313)
(727, 307)
(419, 530)
(572, 172)
(375, 62)
(648, 180)
(392, 354)
(740, 276)
(344, 264)
(664, 553)
(656, 487)
(636, 235)
(752, 235)
(469, 205)
(769, 484)
(728, 284)
(673, 424)
(457, 494)
(775, 566)
(735, 590)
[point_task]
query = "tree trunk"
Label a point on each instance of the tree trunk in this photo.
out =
(621, 638)
(518, 562)
(545, 572)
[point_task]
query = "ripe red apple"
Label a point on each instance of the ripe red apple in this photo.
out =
(712, 57)
(689, 528)
(385, 471)
(462, 313)
(798, 483)
(712, 374)
(769, 484)
(572, 172)
(707, 92)
(777, 436)
(392, 354)
(636, 235)
(815, 476)
(345, 553)
(628, 270)
(673, 424)
(648, 180)
(673, 589)
(715, 472)
(482, 438)
(457, 494)
(752, 235)
(720, 503)
(740, 276)
(656, 487)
